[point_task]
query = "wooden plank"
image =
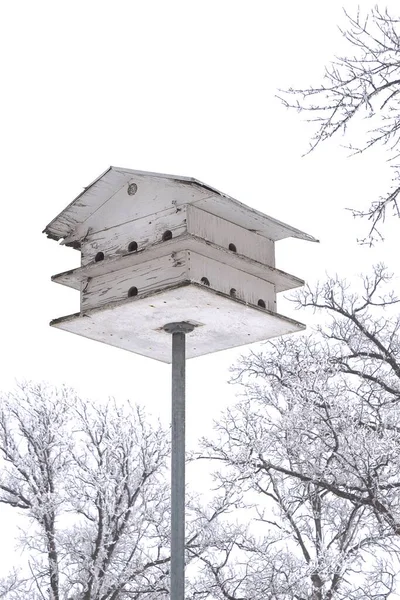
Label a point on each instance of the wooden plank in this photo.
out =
(146, 278)
(230, 281)
(281, 280)
(224, 233)
(86, 203)
(74, 277)
(106, 202)
(114, 241)
(156, 275)
(251, 219)
(135, 324)
(153, 195)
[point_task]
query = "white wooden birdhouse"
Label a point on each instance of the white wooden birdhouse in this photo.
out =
(157, 249)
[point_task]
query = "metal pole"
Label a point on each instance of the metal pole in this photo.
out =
(178, 331)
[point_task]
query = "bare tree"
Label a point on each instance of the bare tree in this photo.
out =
(314, 446)
(364, 84)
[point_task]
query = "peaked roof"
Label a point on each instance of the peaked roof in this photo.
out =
(66, 225)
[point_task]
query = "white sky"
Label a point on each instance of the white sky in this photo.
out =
(176, 87)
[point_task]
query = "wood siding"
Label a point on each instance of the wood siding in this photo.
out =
(232, 282)
(222, 232)
(157, 275)
(151, 276)
(114, 241)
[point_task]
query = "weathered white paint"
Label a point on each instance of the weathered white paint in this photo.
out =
(114, 241)
(135, 324)
(207, 226)
(253, 220)
(154, 195)
(194, 276)
(93, 196)
(106, 202)
(230, 281)
(151, 276)
(168, 271)
(281, 280)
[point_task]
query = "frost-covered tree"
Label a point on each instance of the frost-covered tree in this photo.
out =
(14, 587)
(90, 481)
(308, 475)
(34, 445)
(314, 446)
(89, 478)
(364, 84)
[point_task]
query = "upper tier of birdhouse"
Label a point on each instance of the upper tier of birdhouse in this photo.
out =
(160, 248)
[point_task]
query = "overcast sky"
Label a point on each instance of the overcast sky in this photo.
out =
(174, 87)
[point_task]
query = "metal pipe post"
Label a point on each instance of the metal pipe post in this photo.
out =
(178, 331)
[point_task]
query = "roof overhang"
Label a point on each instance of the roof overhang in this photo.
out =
(205, 197)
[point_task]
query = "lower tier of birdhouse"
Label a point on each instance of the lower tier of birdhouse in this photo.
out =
(136, 322)
(174, 269)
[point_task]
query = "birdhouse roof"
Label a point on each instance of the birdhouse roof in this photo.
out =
(98, 199)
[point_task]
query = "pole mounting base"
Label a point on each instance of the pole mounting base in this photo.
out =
(179, 327)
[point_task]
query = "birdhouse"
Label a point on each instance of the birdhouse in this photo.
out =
(157, 249)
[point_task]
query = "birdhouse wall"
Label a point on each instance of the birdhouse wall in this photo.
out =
(148, 277)
(174, 270)
(149, 230)
(219, 231)
(173, 222)
(231, 282)
(153, 195)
